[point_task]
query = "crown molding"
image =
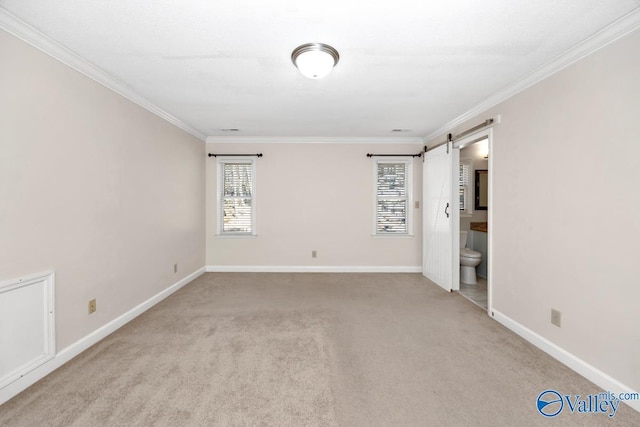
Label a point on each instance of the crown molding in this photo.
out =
(609, 34)
(311, 140)
(13, 25)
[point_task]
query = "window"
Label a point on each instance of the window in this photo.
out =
(393, 197)
(465, 171)
(236, 197)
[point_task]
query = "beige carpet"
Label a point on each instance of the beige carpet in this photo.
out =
(307, 350)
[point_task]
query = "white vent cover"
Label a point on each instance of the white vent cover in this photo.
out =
(27, 325)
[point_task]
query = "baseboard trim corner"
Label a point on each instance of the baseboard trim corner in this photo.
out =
(68, 353)
(311, 269)
(588, 371)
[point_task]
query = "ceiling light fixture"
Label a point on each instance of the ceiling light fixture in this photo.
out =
(315, 60)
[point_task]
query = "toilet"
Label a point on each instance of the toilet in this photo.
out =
(468, 261)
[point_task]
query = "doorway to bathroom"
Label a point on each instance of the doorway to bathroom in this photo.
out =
(441, 258)
(474, 188)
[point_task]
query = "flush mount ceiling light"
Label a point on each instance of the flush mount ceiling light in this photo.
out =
(315, 60)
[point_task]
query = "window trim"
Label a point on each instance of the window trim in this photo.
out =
(469, 188)
(220, 162)
(409, 180)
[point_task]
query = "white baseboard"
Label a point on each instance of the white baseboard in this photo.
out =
(311, 269)
(84, 343)
(591, 373)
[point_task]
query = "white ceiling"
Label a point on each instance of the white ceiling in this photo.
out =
(406, 64)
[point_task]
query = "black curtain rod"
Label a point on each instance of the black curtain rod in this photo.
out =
(235, 155)
(394, 155)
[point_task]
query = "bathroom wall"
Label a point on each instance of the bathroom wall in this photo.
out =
(478, 241)
(475, 154)
(95, 188)
(566, 209)
(314, 197)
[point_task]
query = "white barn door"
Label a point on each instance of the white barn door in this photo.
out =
(439, 215)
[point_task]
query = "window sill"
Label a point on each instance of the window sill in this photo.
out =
(392, 236)
(236, 236)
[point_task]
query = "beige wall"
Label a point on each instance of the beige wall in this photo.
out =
(104, 193)
(313, 197)
(566, 208)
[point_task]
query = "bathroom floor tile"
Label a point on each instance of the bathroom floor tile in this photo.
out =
(475, 293)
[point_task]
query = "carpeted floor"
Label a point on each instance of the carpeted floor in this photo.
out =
(256, 349)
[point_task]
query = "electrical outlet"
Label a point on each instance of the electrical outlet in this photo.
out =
(417, 204)
(314, 254)
(175, 268)
(556, 318)
(92, 306)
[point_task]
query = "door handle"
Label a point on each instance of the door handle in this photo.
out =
(446, 209)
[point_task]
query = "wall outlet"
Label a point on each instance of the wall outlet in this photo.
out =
(92, 306)
(417, 204)
(175, 268)
(314, 254)
(556, 318)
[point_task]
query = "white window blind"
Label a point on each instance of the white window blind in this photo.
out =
(464, 186)
(392, 197)
(236, 199)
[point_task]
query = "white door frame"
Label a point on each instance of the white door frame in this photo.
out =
(488, 133)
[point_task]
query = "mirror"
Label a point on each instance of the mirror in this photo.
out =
(482, 190)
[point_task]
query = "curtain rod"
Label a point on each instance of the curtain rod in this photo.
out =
(394, 155)
(452, 138)
(235, 155)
